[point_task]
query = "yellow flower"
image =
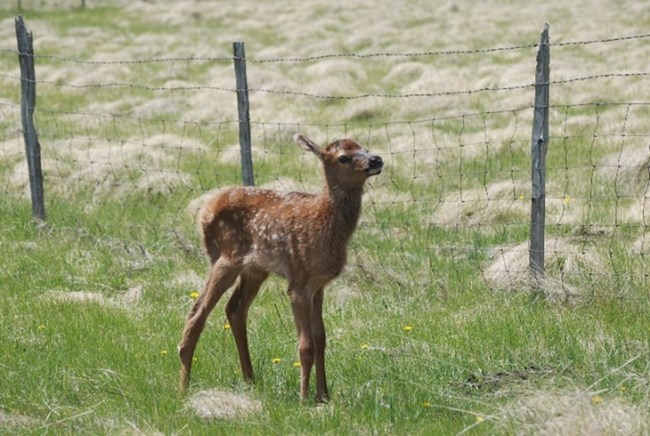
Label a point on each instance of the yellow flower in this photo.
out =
(521, 197)
(41, 327)
(365, 346)
(163, 352)
(479, 418)
(407, 328)
(276, 360)
(426, 404)
(194, 295)
(226, 326)
(296, 364)
(597, 399)
(567, 200)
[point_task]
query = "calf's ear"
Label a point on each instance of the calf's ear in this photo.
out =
(308, 145)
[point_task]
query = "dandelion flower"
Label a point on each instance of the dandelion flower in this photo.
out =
(163, 352)
(226, 326)
(296, 364)
(426, 404)
(521, 197)
(276, 360)
(567, 200)
(597, 399)
(365, 346)
(41, 327)
(194, 295)
(480, 418)
(407, 328)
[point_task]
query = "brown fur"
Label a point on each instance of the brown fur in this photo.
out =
(249, 233)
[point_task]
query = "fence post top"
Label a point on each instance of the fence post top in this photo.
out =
(19, 21)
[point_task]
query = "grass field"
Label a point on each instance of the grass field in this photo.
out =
(434, 327)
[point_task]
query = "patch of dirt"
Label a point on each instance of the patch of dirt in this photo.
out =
(498, 379)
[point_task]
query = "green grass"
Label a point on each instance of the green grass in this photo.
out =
(423, 348)
(420, 339)
(83, 367)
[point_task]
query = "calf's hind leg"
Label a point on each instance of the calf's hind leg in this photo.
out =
(221, 277)
(237, 313)
(320, 339)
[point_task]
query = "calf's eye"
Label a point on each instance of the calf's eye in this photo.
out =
(345, 159)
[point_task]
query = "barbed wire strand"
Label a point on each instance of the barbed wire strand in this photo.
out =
(329, 97)
(323, 56)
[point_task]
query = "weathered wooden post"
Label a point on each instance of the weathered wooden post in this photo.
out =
(244, 114)
(539, 148)
(27, 106)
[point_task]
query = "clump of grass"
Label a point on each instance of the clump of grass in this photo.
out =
(213, 404)
(127, 299)
(575, 412)
(565, 259)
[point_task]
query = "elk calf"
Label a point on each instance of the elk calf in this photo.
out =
(249, 233)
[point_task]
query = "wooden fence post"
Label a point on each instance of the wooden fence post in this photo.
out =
(539, 146)
(244, 114)
(27, 106)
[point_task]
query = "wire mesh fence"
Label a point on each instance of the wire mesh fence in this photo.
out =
(452, 204)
